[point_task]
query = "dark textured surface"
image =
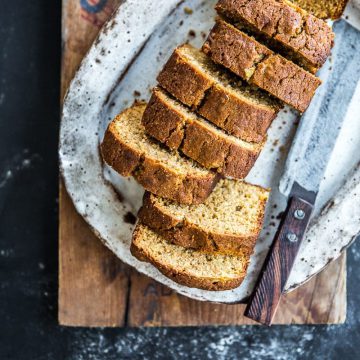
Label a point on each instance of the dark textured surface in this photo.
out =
(29, 117)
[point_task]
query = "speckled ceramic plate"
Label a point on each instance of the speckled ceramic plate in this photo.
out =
(122, 66)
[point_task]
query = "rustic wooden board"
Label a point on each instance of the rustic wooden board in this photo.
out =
(96, 289)
(93, 283)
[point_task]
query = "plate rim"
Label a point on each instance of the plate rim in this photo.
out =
(104, 32)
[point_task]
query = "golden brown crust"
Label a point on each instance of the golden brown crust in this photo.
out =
(154, 175)
(194, 138)
(183, 233)
(305, 38)
(216, 153)
(236, 115)
(183, 81)
(185, 279)
(255, 63)
(281, 78)
(162, 122)
(235, 50)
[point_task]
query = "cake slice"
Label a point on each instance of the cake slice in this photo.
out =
(323, 9)
(226, 101)
(299, 35)
(188, 267)
(128, 150)
(177, 127)
(229, 221)
(257, 64)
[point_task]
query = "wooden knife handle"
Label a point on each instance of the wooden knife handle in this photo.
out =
(279, 262)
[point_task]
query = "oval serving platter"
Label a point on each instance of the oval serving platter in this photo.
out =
(122, 66)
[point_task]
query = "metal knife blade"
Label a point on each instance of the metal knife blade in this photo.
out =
(320, 125)
(352, 13)
(304, 169)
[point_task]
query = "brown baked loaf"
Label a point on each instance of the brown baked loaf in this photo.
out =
(323, 9)
(192, 78)
(130, 152)
(304, 38)
(186, 266)
(229, 221)
(177, 127)
(257, 64)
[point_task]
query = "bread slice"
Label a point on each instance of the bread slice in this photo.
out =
(188, 267)
(229, 221)
(257, 64)
(299, 35)
(323, 9)
(192, 78)
(129, 151)
(177, 127)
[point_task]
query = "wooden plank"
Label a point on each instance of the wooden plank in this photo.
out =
(94, 284)
(321, 301)
(277, 266)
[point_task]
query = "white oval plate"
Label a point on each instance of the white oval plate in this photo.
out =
(123, 63)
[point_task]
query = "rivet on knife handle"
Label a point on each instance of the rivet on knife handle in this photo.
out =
(279, 262)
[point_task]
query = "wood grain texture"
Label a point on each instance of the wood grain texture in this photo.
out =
(322, 300)
(279, 262)
(93, 283)
(96, 289)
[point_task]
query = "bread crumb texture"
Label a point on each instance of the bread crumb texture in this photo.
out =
(130, 152)
(323, 9)
(186, 266)
(234, 207)
(229, 221)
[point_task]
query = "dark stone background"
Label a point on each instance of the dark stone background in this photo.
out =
(30, 50)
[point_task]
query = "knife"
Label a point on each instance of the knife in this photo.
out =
(305, 167)
(352, 13)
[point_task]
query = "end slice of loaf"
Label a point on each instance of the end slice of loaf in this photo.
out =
(192, 78)
(255, 63)
(188, 267)
(296, 33)
(176, 126)
(128, 150)
(229, 221)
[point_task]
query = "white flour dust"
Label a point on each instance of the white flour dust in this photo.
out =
(17, 164)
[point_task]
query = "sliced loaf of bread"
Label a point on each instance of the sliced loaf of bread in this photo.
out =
(128, 150)
(294, 32)
(192, 78)
(188, 267)
(257, 64)
(229, 221)
(177, 127)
